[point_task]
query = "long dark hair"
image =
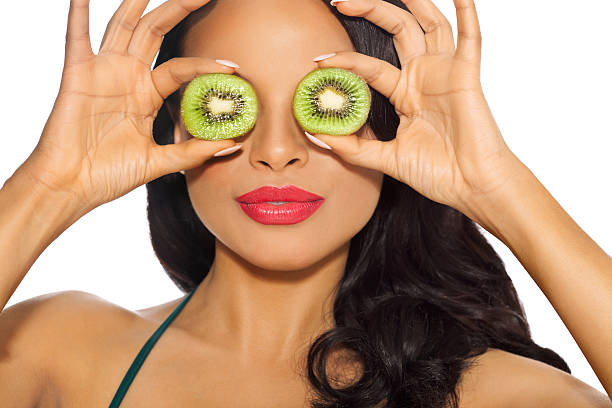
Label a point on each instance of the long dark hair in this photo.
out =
(423, 291)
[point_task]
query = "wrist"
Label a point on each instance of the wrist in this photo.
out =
(496, 210)
(31, 218)
(60, 207)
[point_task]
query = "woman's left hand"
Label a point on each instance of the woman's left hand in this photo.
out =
(448, 146)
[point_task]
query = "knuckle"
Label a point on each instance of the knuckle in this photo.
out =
(126, 25)
(375, 73)
(75, 4)
(438, 25)
(399, 27)
(81, 36)
(433, 26)
(187, 9)
(152, 27)
(341, 54)
(174, 76)
(469, 35)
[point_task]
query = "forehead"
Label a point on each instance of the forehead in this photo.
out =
(270, 32)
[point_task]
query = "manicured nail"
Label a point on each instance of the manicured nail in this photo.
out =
(228, 63)
(322, 57)
(316, 141)
(333, 2)
(228, 150)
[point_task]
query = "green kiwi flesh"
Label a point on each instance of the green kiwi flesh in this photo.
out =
(219, 106)
(331, 101)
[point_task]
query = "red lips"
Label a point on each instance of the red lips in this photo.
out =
(287, 192)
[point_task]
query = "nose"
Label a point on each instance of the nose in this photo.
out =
(277, 140)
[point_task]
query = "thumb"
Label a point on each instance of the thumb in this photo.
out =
(370, 153)
(186, 155)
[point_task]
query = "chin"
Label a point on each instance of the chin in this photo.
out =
(276, 256)
(286, 255)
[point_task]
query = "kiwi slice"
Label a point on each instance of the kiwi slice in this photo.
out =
(331, 101)
(219, 106)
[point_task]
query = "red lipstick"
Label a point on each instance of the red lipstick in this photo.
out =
(285, 205)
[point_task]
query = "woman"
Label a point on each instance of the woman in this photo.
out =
(398, 301)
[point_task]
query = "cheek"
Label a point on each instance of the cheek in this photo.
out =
(209, 189)
(356, 195)
(358, 188)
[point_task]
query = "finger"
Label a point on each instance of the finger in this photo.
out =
(121, 26)
(407, 34)
(469, 39)
(154, 25)
(171, 158)
(169, 76)
(438, 31)
(78, 44)
(378, 73)
(365, 152)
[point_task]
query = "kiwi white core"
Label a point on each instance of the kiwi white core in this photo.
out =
(331, 99)
(218, 106)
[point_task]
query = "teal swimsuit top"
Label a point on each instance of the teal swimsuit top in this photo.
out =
(144, 352)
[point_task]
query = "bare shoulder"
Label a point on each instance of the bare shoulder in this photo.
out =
(60, 318)
(506, 380)
(56, 315)
(49, 335)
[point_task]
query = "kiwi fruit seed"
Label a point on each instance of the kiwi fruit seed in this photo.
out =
(219, 106)
(331, 101)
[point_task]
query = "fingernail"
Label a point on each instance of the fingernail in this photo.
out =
(228, 150)
(333, 2)
(316, 141)
(228, 63)
(322, 57)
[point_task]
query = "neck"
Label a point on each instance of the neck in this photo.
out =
(251, 311)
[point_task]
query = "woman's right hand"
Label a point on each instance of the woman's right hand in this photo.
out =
(97, 143)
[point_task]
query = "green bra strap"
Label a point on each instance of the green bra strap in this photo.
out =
(144, 352)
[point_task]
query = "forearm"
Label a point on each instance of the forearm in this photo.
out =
(31, 217)
(573, 272)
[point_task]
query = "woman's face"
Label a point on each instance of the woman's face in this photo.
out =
(274, 42)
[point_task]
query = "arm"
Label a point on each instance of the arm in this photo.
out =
(31, 217)
(574, 273)
(82, 162)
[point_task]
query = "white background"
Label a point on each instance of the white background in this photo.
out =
(546, 73)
